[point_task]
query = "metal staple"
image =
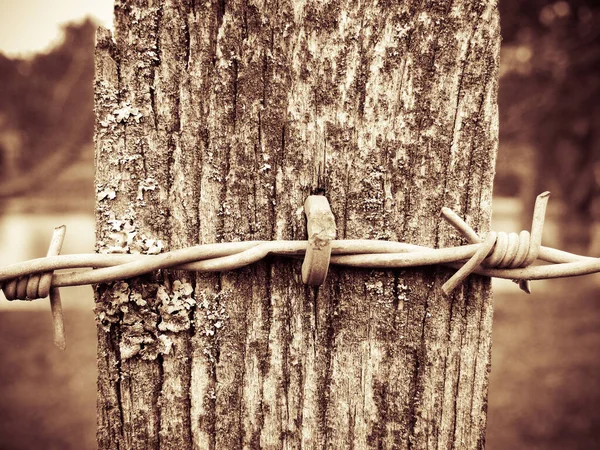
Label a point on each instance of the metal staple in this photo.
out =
(499, 255)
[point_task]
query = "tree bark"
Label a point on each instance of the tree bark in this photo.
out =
(212, 119)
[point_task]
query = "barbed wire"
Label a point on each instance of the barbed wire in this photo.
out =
(499, 255)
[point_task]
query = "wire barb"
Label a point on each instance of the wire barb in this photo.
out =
(506, 250)
(46, 284)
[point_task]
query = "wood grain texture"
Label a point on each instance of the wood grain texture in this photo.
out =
(211, 121)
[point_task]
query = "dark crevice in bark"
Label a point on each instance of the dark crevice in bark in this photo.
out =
(152, 85)
(416, 391)
(351, 433)
(467, 196)
(485, 297)
(413, 394)
(240, 410)
(285, 360)
(282, 160)
(187, 41)
(253, 231)
(170, 154)
(329, 350)
(188, 386)
(220, 234)
(212, 425)
(221, 5)
(463, 325)
(245, 28)
(470, 291)
(312, 293)
(268, 305)
(361, 82)
(476, 133)
(113, 340)
(346, 196)
(214, 344)
(268, 328)
(448, 357)
(264, 76)
(160, 383)
(236, 80)
(152, 93)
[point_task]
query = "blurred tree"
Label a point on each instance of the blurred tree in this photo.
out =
(48, 102)
(549, 105)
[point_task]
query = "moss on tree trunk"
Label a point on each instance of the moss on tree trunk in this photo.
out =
(211, 121)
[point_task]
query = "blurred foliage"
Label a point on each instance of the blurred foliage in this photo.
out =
(549, 111)
(46, 110)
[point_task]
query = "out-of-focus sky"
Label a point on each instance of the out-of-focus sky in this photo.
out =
(30, 26)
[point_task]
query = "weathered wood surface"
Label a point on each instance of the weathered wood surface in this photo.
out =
(211, 119)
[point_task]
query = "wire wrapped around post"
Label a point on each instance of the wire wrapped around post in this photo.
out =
(499, 255)
(501, 250)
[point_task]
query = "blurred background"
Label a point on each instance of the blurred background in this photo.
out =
(544, 386)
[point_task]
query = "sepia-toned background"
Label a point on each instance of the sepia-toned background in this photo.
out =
(544, 388)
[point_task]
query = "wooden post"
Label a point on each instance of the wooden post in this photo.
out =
(213, 120)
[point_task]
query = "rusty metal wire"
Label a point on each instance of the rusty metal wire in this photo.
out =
(499, 255)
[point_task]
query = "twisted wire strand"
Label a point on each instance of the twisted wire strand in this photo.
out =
(231, 256)
(499, 255)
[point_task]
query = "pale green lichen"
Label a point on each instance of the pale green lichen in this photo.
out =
(145, 314)
(104, 194)
(212, 317)
(120, 114)
(174, 307)
(149, 184)
(123, 237)
(374, 287)
(126, 112)
(376, 203)
(108, 311)
(215, 311)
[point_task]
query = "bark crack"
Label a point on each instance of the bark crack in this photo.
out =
(329, 351)
(160, 382)
(448, 360)
(187, 44)
(471, 161)
(221, 6)
(115, 348)
(477, 355)
(417, 388)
